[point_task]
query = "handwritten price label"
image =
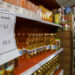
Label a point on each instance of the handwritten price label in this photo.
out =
(7, 37)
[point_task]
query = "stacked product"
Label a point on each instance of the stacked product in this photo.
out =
(34, 43)
(29, 9)
(8, 68)
(48, 68)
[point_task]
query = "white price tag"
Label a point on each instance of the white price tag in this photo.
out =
(7, 43)
(7, 37)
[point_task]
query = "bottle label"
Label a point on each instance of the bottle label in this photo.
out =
(24, 50)
(34, 51)
(29, 52)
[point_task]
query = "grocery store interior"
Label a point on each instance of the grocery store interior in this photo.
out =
(37, 37)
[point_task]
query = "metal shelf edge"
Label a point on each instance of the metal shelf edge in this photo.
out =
(38, 20)
(4, 58)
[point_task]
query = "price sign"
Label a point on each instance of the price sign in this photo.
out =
(7, 37)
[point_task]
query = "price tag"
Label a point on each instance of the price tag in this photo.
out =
(7, 37)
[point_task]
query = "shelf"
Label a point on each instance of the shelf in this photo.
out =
(37, 66)
(39, 20)
(5, 57)
(31, 18)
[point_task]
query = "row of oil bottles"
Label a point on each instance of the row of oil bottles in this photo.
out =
(34, 43)
(48, 68)
(31, 44)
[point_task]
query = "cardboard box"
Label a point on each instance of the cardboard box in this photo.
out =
(22, 3)
(67, 73)
(66, 34)
(67, 59)
(66, 66)
(66, 42)
(68, 50)
(69, 17)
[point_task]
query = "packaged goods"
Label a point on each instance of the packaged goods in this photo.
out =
(52, 42)
(2, 69)
(67, 10)
(22, 3)
(15, 2)
(67, 27)
(9, 68)
(31, 44)
(46, 14)
(57, 43)
(49, 68)
(57, 18)
(9, 1)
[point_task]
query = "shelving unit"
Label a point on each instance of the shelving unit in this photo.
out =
(27, 24)
(4, 58)
(37, 66)
(2, 10)
(40, 21)
(25, 17)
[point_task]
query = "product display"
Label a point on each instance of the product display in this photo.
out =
(9, 68)
(2, 69)
(48, 68)
(27, 8)
(34, 43)
(46, 14)
(43, 38)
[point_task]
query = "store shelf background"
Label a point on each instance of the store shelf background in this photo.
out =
(67, 55)
(74, 50)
